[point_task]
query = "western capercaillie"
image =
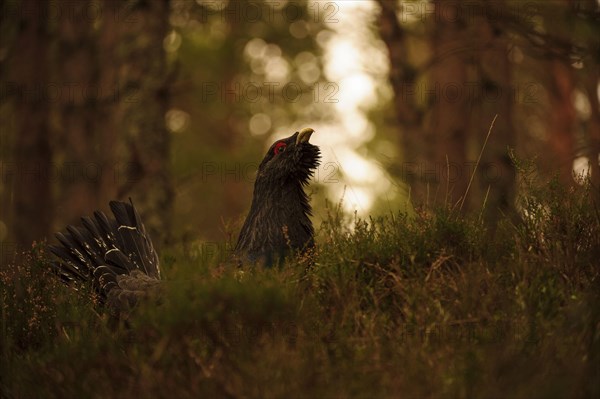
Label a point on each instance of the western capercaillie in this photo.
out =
(278, 220)
(117, 257)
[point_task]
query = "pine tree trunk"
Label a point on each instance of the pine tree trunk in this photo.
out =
(562, 120)
(593, 125)
(495, 173)
(143, 101)
(416, 150)
(77, 153)
(591, 81)
(449, 125)
(30, 190)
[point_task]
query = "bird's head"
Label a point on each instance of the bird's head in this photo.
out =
(291, 160)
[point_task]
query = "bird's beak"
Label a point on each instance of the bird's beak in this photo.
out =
(304, 135)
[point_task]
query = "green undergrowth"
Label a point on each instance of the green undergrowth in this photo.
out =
(429, 305)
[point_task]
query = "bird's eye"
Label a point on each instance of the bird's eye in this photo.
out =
(279, 147)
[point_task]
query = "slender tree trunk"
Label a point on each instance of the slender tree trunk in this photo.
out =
(416, 150)
(143, 104)
(30, 191)
(562, 119)
(591, 82)
(79, 169)
(593, 125)
(449, 124)
(111, 153)
(230, 117)
(495, 172)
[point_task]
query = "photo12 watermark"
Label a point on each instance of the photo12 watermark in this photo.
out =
(476, 91)
(452, 11)
(223, 172)
(268, 11)
(271, 92)
(67, 93)
(68, 172)
(449, 172)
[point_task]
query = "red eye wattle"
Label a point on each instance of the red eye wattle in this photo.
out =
(279, 147)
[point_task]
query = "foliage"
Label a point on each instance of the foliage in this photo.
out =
(431, 304)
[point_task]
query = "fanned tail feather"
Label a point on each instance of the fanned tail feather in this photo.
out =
(114, 255)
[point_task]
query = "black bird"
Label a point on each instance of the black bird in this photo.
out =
(278, 220)
(117, 256)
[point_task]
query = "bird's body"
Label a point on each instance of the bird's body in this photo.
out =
(117, 255)
(279, 219)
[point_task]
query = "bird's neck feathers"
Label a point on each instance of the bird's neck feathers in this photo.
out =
(278, 222)
(281, 206)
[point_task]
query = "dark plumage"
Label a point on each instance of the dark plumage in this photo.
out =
(278, 220)
(117, 255)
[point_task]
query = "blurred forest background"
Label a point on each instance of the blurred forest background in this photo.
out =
(174, 102)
